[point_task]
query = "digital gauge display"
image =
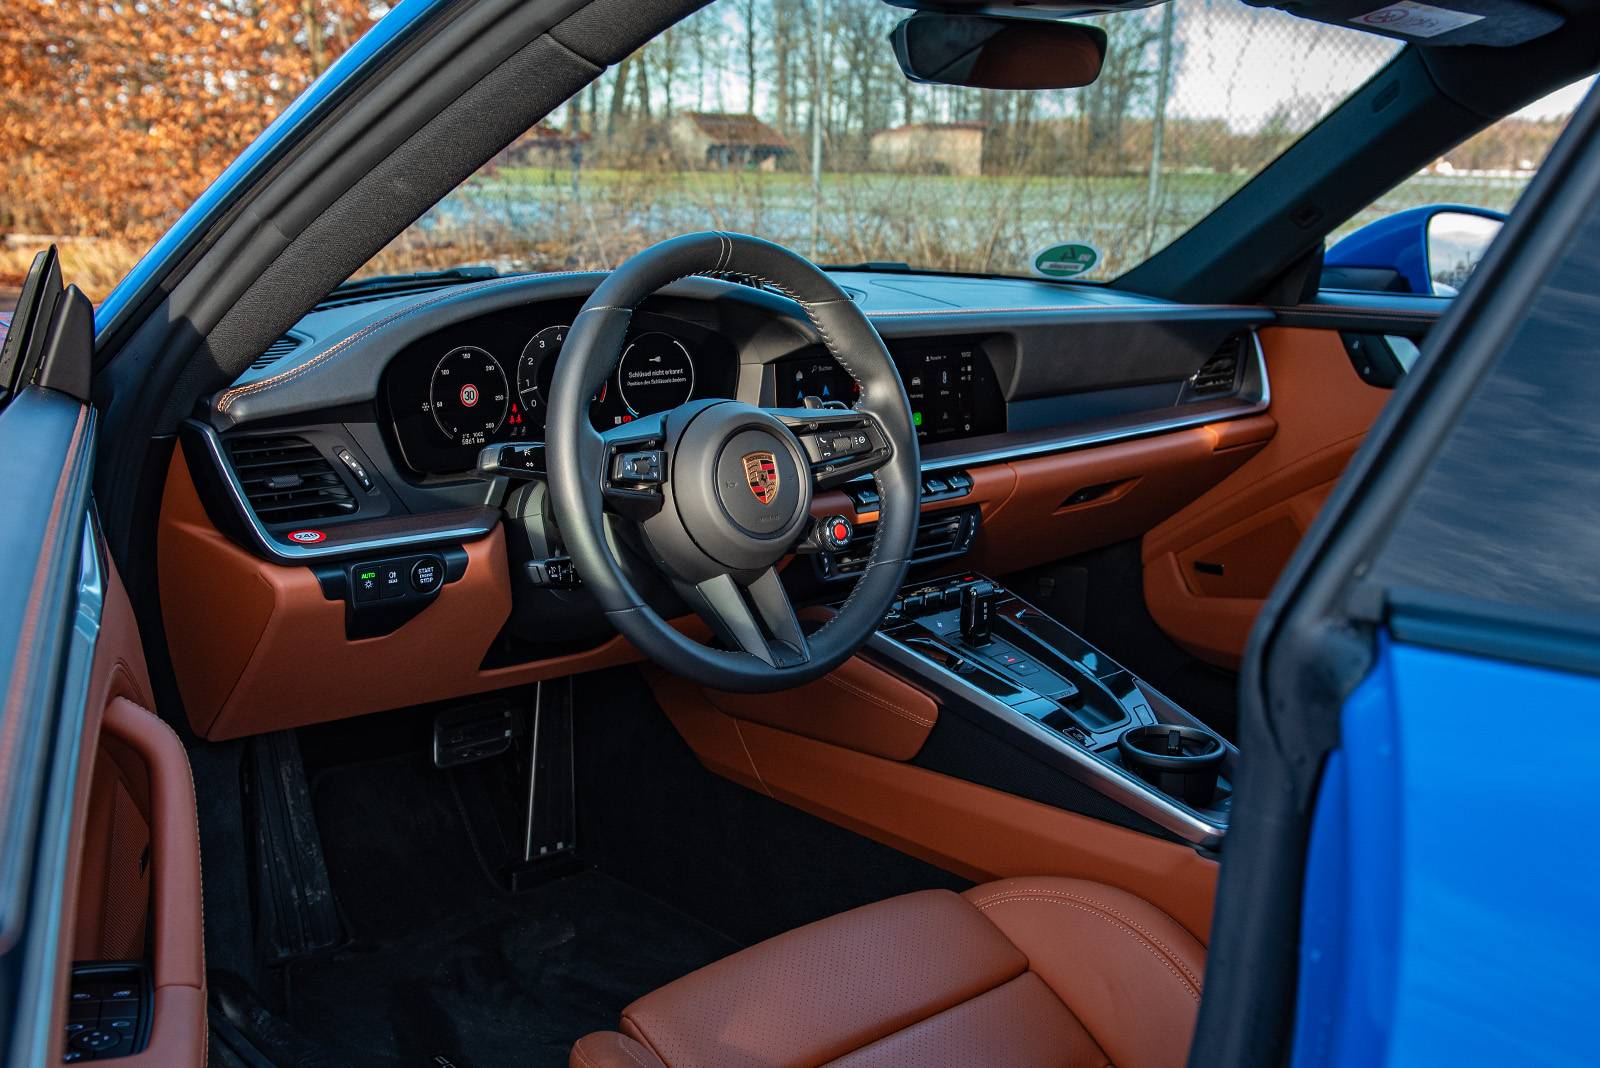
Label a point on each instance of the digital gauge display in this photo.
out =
(655, 374)
(469, 395)
(490, 380)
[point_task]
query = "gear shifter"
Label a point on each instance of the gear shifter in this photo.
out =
(977, 613)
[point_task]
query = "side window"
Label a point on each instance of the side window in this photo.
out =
(1427, 234)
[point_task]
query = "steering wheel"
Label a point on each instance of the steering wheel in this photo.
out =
(720, 491)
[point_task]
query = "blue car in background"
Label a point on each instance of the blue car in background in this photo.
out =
(648, 535)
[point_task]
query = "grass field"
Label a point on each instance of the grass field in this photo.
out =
(549, 219)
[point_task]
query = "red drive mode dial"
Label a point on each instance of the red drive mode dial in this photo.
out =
(834, 532)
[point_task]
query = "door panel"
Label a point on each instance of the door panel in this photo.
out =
(1209, 567)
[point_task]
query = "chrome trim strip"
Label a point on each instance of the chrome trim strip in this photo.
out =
(1257, 400)
(301, 554)
(1126, 790)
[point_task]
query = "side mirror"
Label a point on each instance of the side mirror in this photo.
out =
(989, 52)
(1456, 243)
(1431, 250)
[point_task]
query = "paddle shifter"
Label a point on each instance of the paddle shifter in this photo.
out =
(977, 613)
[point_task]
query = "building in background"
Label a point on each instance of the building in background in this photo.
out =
(712, 139)
(544, 146)
(931, 148)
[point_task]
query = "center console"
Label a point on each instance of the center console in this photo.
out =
(1018, 673)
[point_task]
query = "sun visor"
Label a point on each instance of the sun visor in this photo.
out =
(1496, 23)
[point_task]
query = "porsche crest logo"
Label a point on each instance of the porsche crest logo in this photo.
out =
(761, 472)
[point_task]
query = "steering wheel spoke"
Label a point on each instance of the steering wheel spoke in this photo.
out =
(841, 443)
(756, 617)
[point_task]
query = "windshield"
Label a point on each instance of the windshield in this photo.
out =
(723, 122)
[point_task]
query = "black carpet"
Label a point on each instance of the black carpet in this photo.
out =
(676, 868)
(442, 963)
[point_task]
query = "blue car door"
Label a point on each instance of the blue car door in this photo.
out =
(1411, 878)
(50, 600)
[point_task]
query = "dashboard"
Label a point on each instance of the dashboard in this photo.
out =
(487, 381)
(367, 418)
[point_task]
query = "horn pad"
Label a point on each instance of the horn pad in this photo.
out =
(740, 491)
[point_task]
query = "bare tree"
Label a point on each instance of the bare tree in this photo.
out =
(749, 14)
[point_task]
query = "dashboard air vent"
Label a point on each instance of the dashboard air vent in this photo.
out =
(286, 480)
(275, 352)
(1219, 373)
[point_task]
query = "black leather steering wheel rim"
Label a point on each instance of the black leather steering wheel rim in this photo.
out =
(580, 462)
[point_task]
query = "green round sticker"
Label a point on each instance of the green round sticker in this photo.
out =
(1065, 261)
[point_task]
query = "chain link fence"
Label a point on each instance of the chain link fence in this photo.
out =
(725, 122)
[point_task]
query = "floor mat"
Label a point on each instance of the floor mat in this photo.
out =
(443, 964)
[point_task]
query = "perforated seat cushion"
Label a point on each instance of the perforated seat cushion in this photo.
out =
(1022, 972)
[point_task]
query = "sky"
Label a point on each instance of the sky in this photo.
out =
(1231, 61)
(1243, 61)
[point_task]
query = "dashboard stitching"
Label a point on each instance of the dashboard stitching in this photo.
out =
(292, 373)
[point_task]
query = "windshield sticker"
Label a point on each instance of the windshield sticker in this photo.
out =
(1416, 20)
(1065, 261)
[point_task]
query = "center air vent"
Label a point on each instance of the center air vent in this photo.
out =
(286, 480)
(1219, 373)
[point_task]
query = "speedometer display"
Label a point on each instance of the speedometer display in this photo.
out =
(469, 395)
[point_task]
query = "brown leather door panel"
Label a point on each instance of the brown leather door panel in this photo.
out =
(134, 882)
(1209, 567)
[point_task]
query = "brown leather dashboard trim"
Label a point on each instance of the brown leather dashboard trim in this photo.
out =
(976, 832)
(256, 647)
(1023, 503)
(859, 706)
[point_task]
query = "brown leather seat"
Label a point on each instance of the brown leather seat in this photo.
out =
(1022, 972)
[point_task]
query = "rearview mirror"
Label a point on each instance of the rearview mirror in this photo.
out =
(988, 52)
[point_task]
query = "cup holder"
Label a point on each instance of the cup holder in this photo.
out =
(1177, 760)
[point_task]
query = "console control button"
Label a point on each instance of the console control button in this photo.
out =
(427, 574)
(366, 585)
(391, 580)
(833, 532)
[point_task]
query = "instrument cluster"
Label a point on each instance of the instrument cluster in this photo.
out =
(488, 381)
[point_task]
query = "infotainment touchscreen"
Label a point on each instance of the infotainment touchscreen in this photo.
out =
(949, 383)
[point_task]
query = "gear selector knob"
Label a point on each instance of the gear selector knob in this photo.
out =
(977, 613)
